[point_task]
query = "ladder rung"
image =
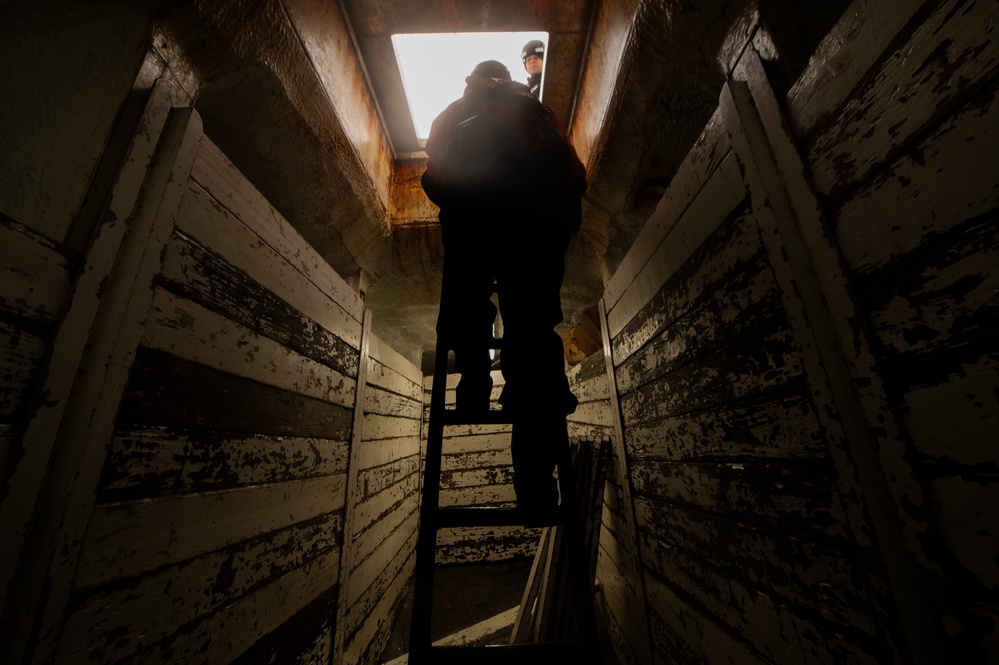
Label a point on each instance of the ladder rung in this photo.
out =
(490, 417)
(485, 516)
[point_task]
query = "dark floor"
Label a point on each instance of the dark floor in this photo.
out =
(464, 595)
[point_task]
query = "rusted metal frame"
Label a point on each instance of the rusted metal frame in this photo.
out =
(644, 650)
(120, 298)
(837, 358)
(353, 492)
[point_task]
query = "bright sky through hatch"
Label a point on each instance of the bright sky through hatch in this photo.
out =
(434, 66)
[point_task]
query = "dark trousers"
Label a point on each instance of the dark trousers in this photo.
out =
(527, 264)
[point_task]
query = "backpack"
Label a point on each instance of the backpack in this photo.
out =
(505, 148)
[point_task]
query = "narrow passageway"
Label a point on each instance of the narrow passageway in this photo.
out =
(219, 285)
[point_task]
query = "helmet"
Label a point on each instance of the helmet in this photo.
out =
(492, 69)
(533, 47)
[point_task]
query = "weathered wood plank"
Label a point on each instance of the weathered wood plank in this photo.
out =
(782, 633)
(798, 496)
(595, 414)
(780, 426)
(127, 539)
(477, 460)
(478, 544)
(931, 201)
(482, 495)
(940, 296)
(373, 480)
(683, 634)
(221, 637)
(747, 301)
(948, 54)
(970, 524)
(801, 572)
(191, 332)
(37, 273)
(734, 247)
(374, 507)
(967, 436)
(379, 599)
(384, 530)
(213, 171)
(197, 274)
(121, 620)
(166, 391)
(157, 461)
(202, 218)
(697, 169)
(726, 376)
(368, 569)
(476, 478)
(721, 196)
(456, 445)
(378, 621)
(381, 402)
(21, 356)
(390, 359)
(378, 427)
(857, 41)
(389, 379)
(376, 453)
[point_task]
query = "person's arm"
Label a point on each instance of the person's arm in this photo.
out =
(440, 131)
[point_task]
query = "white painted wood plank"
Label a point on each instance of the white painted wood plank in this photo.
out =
(384, 403)
(217, 175)
(187, 330)
(203, 219)
(904, 95)
(374, 621)
(373, 507)
(697, 168)
(389, 357)
(722, 193)
(456, 445)
(126, 539)
(379, 427)
(368, 569)
(225, 635)
(970, 398)
(36, 278)
(114, 622)
(380, 534)
(906, 206)
(483, 495)
(384, 451)
(866, 29)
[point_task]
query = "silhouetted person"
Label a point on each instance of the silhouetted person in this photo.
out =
(533, 57)
(508, 184)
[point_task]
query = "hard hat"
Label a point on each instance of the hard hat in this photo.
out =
(533, 47)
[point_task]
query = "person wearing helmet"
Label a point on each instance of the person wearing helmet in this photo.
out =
(533, 56)
(506, 220)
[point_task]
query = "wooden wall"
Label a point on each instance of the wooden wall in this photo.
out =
(476, 471)
(803, 351)
(387, 495)
(219, 417)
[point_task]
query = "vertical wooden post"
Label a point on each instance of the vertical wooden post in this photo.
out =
(98, 338)
(353, 493)
(622, 476)
(881, 496)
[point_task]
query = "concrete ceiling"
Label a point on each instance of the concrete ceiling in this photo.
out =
(305, 97)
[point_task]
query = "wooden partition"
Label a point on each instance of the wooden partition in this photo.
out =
(801, 365)
(225, 418)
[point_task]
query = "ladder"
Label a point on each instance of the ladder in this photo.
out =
(432, 518)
